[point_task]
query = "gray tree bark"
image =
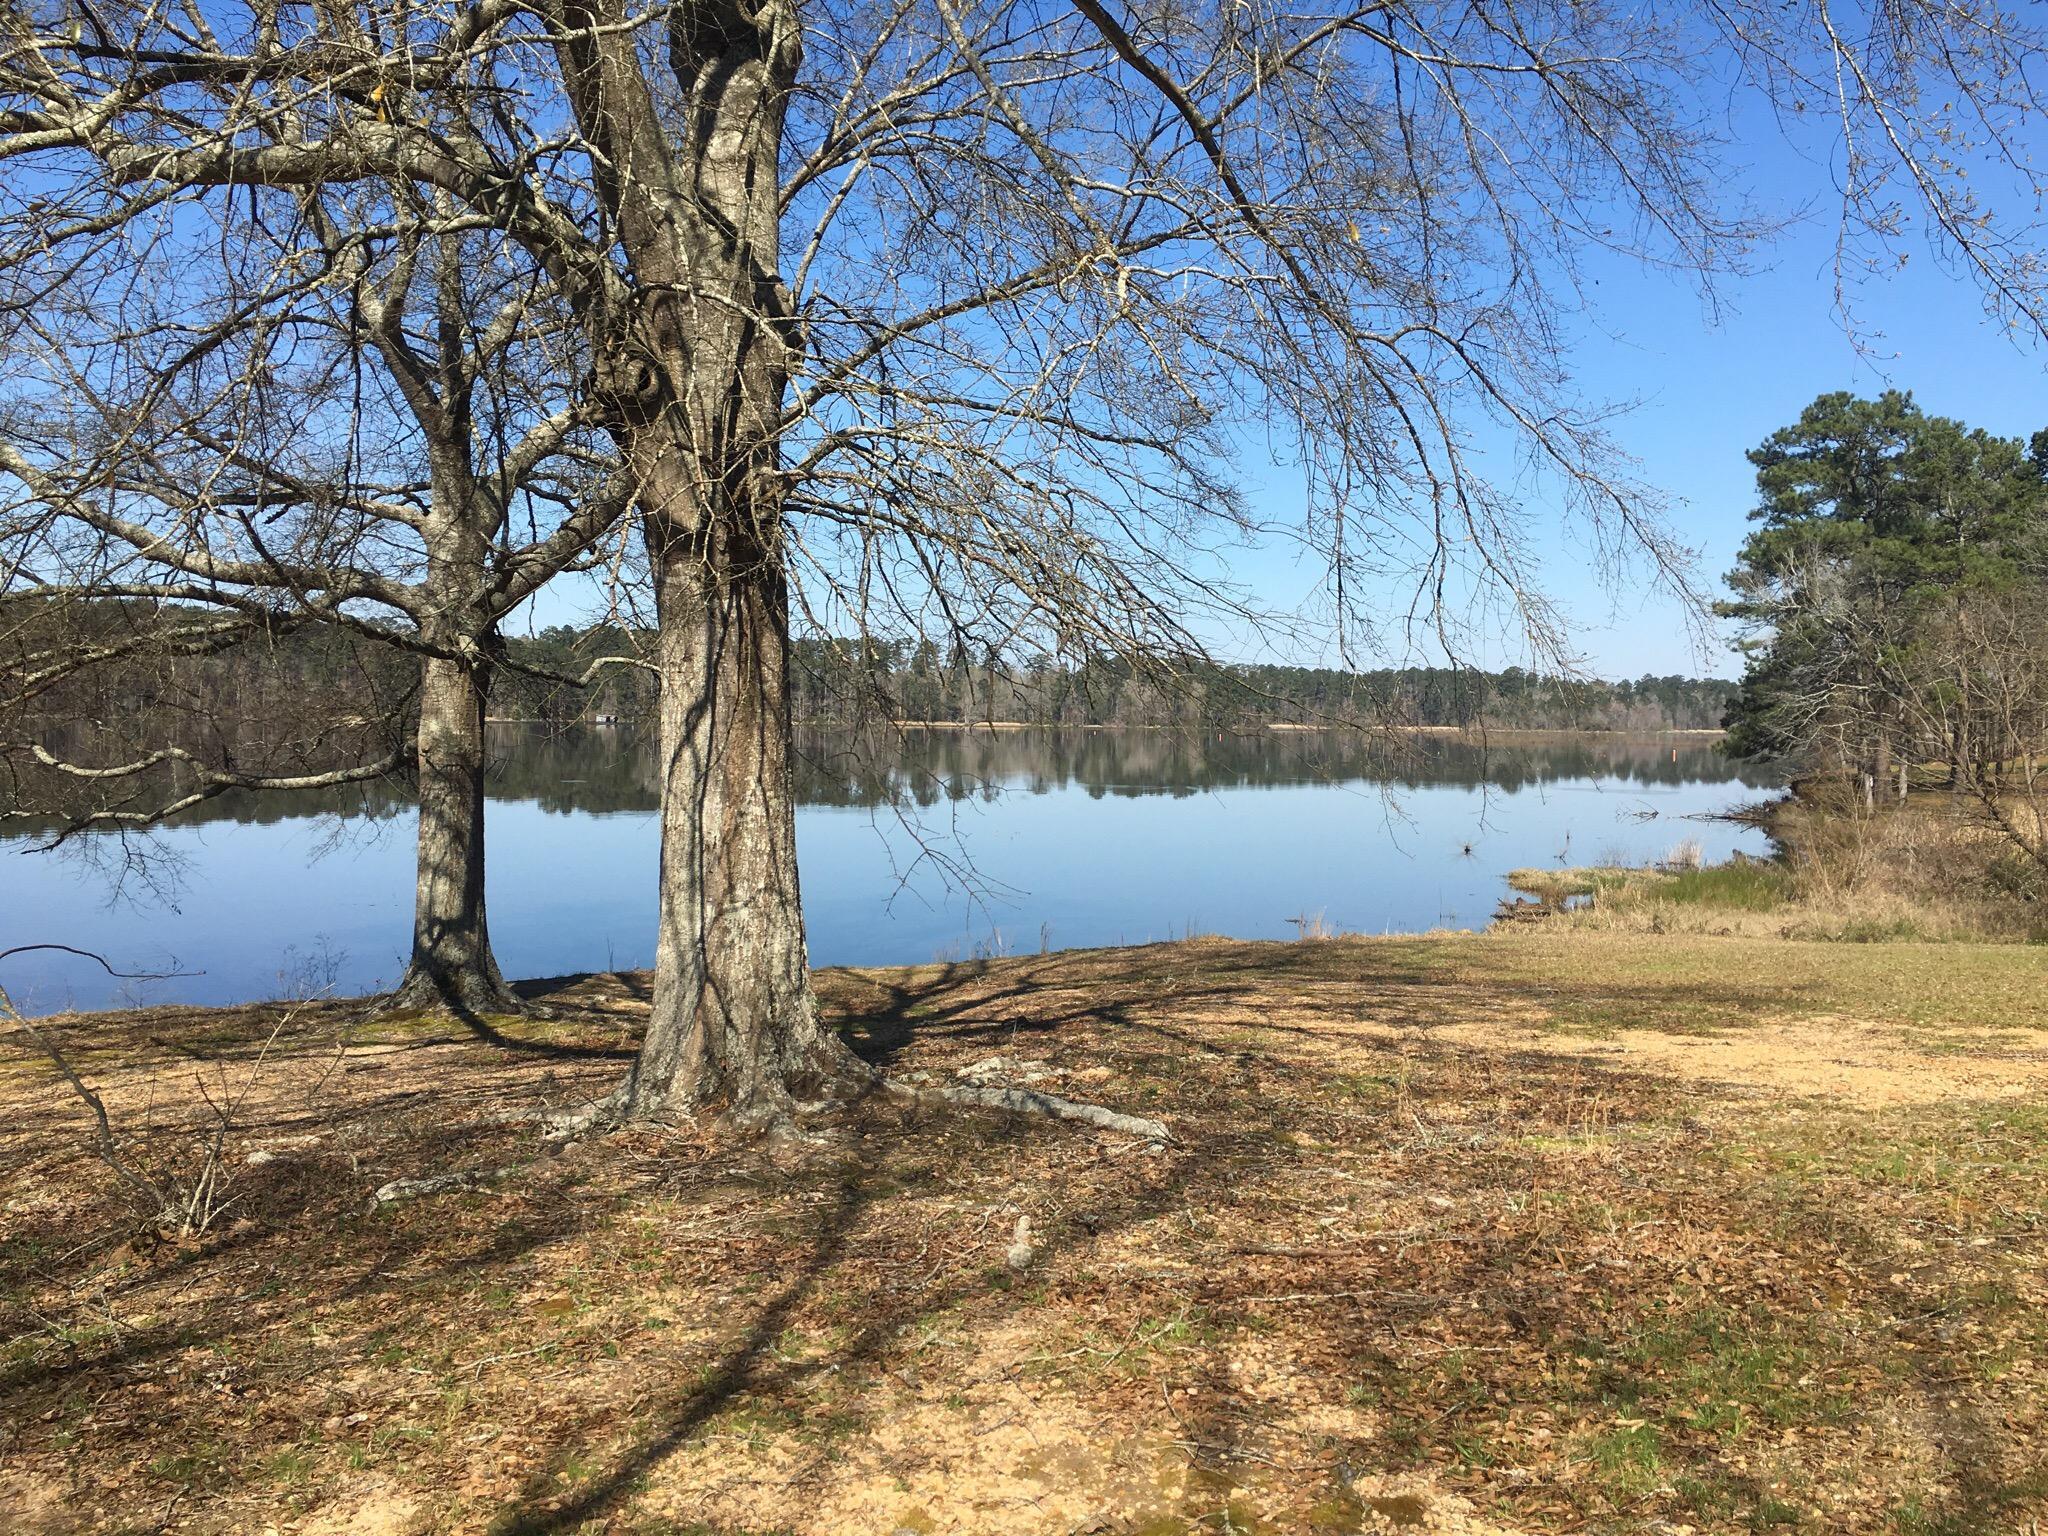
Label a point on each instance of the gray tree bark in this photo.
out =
(734, 1024)
(452, 964)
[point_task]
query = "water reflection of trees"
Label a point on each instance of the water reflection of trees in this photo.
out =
(938, 765)
(609, 771)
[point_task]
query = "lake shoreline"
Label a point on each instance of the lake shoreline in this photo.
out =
(1929, 870)
(1076, 839)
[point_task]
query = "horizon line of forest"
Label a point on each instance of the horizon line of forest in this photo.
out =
(841, 682)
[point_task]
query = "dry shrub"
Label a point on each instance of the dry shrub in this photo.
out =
(1312, 926)
(1934, 867)
(171, 1168)
(1932, 870)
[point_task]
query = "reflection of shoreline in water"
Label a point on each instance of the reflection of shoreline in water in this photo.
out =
(611, 770)
(993, 841)
(1471, 733)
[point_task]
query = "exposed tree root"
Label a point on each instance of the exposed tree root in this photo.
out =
(472, 997)
(599, 1115)
(610, 1112)
(437, 1184)
(1029, 1101)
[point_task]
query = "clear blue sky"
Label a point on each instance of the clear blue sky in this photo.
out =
(1712, 389)
(1711, 382)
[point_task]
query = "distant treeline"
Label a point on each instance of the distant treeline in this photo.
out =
(322, 671)
(846, 682)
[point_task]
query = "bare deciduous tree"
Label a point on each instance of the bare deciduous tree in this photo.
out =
(1970, 688)
(954, 315)
(356, 417)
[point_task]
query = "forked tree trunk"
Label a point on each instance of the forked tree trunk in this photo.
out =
(734, 1024)
(452, 965)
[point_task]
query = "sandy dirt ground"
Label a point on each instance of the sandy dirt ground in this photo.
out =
(1508, 1233)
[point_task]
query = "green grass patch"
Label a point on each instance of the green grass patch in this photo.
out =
(1746, 886)
(1628, 1458)
(1560, 885)
(1743, 885)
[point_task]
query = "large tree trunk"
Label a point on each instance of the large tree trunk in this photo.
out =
(693, 372)
(734, 1025)
(452, 965)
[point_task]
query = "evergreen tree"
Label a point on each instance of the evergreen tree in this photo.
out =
(1876, 523)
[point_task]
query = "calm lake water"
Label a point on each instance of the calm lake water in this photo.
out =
(946, 846)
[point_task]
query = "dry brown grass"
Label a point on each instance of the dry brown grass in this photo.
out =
(1524, 1232)
(1930, 871)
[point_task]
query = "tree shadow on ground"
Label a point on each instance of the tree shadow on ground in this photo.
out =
(962, 1010)
(1254, 1055)
(751, 1367)
(483, 1029)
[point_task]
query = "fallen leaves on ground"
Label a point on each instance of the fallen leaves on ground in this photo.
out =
(1510, 1233)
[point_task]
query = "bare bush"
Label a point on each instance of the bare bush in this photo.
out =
(176, 1183)
(1311, 927)
(1686, 854)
